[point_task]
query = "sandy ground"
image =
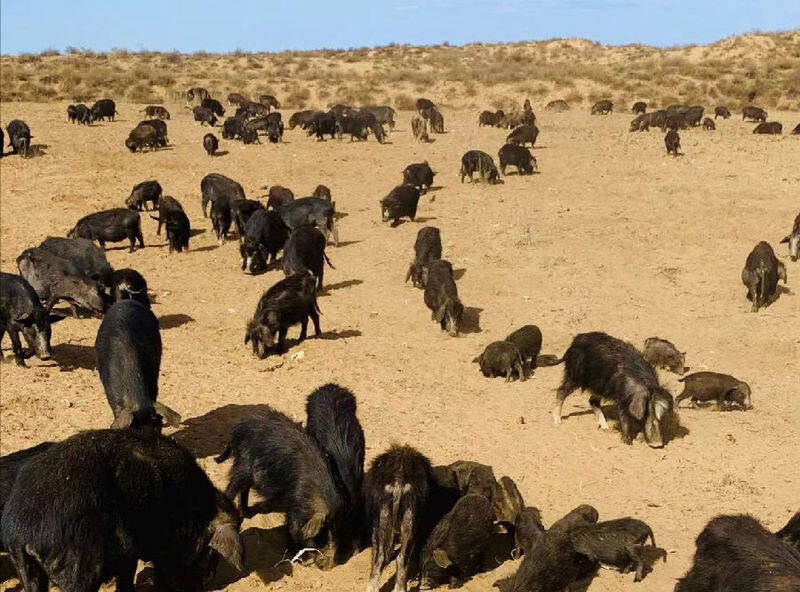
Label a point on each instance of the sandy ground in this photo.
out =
(612, 235)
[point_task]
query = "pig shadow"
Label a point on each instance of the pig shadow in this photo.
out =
(207, 435)
(338, 286)
(347, 243)
(220, 153)
(334, 335)
(471, 320)
(264, 550)
(71, 356)
(170, 321)
(196, 231)
(458, 273)
(206, 248)
(424, 219)
(434, 188)
(37, 150)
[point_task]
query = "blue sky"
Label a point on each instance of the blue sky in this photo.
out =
(274, 25)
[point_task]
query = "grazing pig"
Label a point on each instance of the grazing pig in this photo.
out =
(441, 297)
(713, 386)
(455, 548)
(275, 456)
(10, 466)
(420, 175)
(129, 284)
(269, 101)
(264, 235)
(156, 111)
(102, 109)
(401, 202)
(558, 105)
(233, 128)
(317, 211)
(278, 196)
(89, 508)
(19, 137)
(397, 491)
(580, 515)
(501, 358)
(603, 107)
(708, 124)
(436, 120)
(210, 144)
(753, 113)
(661, 353)
(215, 186)
(290, 301)
(304, 252)
(332, 423)
(518, 156)
(110, 226)
(507, 501)
(241, 210)
(142, 193)
(321, 125)
(761, 273)
(197, 93)
(673, 142)
(639, 107)
(301, 118)
(82, 253)
(83, 115)
(721, 111)
(523, 134)
(71, 113)
(789, 533)
(144, 136)
(160, 127)
(419, 128)
(55, 278)
(794, 239)
(423, 104)
(204, 115)
(737, 553)
(171, 214)
(613, 369)
(236, 99)
(487, 118)
(213, 105)
(768, 127)
(466, 476)
(128, 349)
(427, 248)
(21, 311)
(552, 563)
(480, 162)
(616, 543)
(384, 115)
(528, 530)
(221, 219)
(528, 341)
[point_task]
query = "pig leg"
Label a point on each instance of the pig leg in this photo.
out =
(598, 413)
(382, 535)
(16, 346)
(636, 559)
(240, 484)
(2, 333)
(315, 319)
(684, 395)
(31, 574)
(564, 391)
(404, 555)
(303, 328)
(281, 340)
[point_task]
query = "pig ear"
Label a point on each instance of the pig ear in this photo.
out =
(785, 239)
(638, 404)
(311, 528)
(441, 559)
(227, 542)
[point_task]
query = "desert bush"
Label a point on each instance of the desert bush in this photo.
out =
(404, 102)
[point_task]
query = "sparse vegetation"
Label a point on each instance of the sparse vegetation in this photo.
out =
(574, 69)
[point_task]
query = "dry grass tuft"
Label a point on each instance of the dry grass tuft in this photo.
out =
(576, 70)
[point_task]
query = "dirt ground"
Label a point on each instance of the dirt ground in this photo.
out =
(612, 235)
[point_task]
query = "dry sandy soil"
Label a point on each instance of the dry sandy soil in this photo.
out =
(612, 235)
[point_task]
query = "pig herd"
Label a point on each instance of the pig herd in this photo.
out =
(83, 511)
